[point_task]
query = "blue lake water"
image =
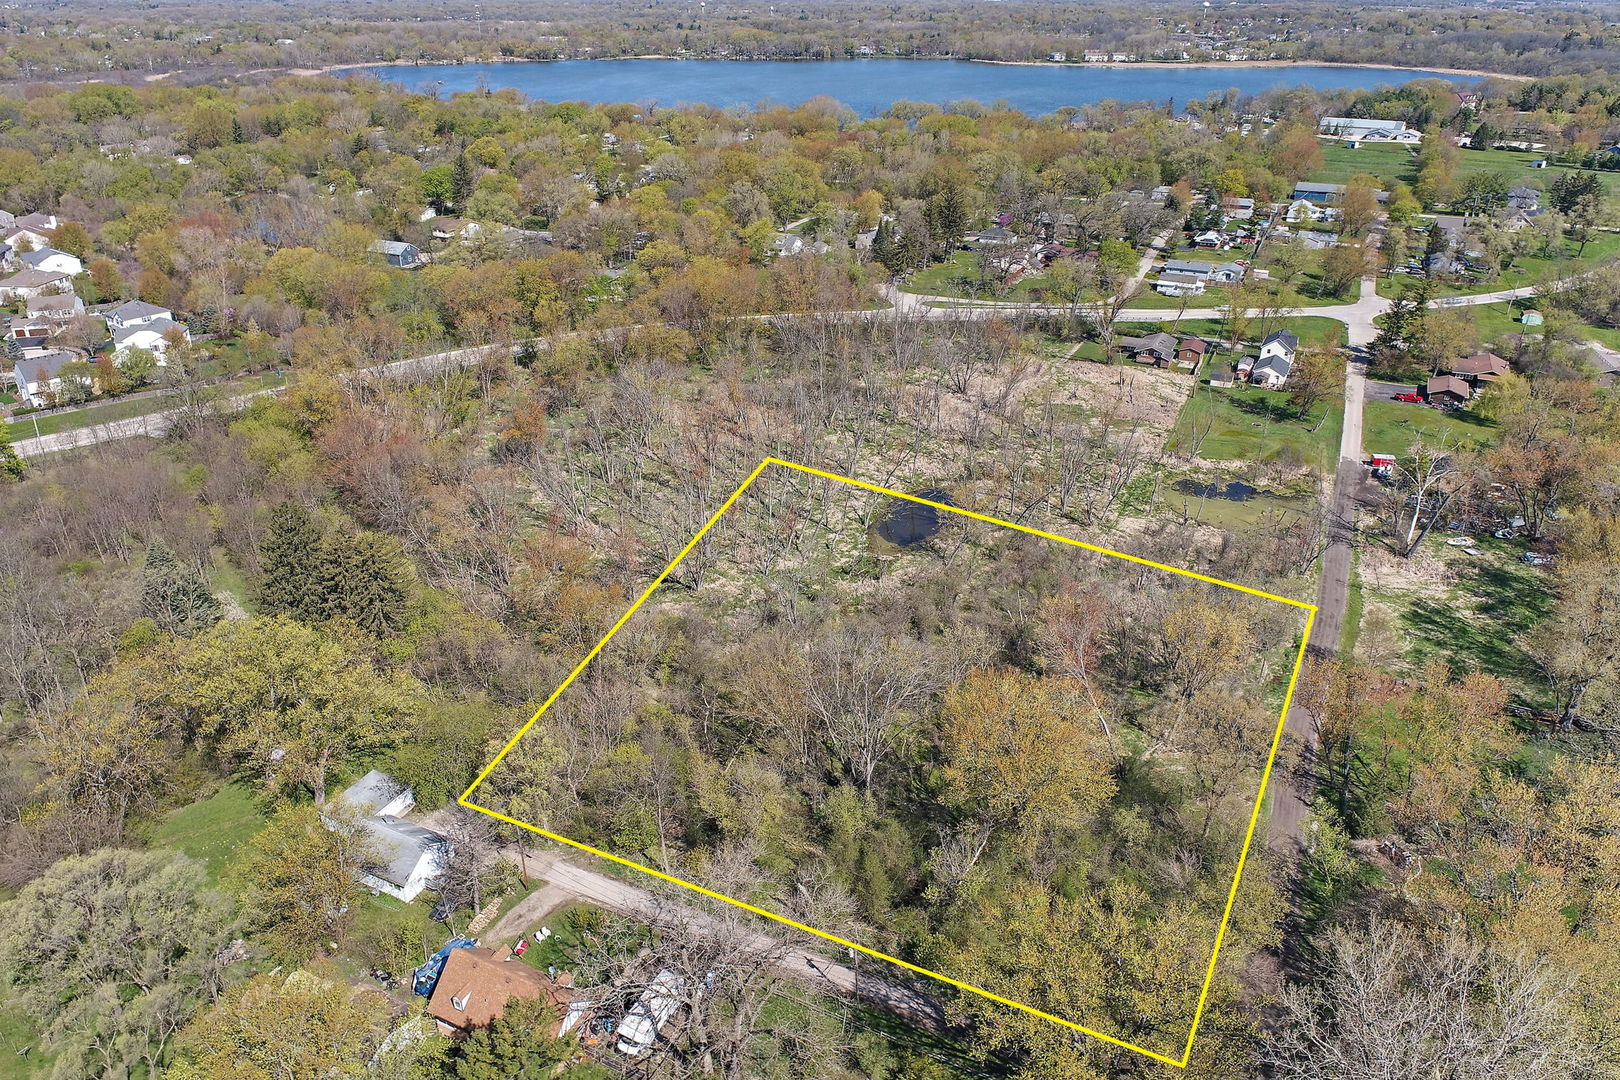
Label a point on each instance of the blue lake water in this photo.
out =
(870, 86)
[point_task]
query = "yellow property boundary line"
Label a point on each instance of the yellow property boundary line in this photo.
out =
(1254, 814)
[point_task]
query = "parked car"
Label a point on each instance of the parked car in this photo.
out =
(1409, 396)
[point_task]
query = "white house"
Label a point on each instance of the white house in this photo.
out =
(1280, 343)
(379, 795)
(26, 283)
(30, 230)
(49, 258)
(152, 335)
(1357, 129)
(38, 374)
(135, 313)
(409, 858)
(1270, 372)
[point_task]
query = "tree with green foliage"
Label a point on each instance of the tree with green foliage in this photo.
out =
(289, 558)
(11, 463)
(363, 579)
(514, 1046)
(1569, 188)
(947, 214)
(174, 595)
(299, 881)
(285, 1027)
(885, 248)
(290, 702)
(112, 952)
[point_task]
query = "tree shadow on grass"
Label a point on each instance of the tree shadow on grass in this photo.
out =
(1483, 635)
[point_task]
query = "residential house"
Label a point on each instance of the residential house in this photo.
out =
(410, 858)
(30, 230)
(135, 313)
(1447, 390)
(1318, 193)
(26, 283)
(1172, 284)
(1238, 208)
(1270, 372)
(1157, 349)
(1227, 274)
(398, 253)
(1280, 343)
(1094, 57)
(38, 374)
(476, 984)
(1190, 352)
(1302, 210)
(1480, 368)
(454, 228)
(153, 335)
(57, 308)
(1209, 239)
(30, 333)
(49, 258)
(379, 795)
(1524, 198)
(1191, 267)
(1356, 129)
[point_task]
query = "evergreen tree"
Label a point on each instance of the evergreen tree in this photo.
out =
(463, 177)
(512, 1046)
(946, 211)
(376, 600)
(11, 465)
(362, 579)
(885, 249)
(174, 595)
(289, 559)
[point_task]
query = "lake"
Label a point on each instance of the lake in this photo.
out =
(870, 86)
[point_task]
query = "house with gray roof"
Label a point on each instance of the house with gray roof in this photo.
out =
(134, 313)
(39, 377)
(408, 857)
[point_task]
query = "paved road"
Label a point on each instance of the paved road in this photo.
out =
(570, 881)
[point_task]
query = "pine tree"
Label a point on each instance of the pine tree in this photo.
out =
(463, 177)
(362, 579)
(289, 559)
(885, 250)
(377, 602)
(174, 595)
(11, 465)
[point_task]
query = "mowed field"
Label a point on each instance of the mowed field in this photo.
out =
(1390, 163)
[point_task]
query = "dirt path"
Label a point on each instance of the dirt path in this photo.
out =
(1292, 790)
(567, 881)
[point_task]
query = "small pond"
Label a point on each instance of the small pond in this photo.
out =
(1235, 490)
(907, 524)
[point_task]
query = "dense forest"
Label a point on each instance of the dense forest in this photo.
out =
(987, 753)
(197, 40)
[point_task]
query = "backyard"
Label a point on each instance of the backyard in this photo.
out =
(1527, 271)
(1248, 424)
(1390, 162)
(1391, 427)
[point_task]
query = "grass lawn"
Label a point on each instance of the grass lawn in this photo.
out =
(1249, 424)
(1474, 623)
(958, 276)
(213, 829)
(1525, 271)
(1311, 329)
(1392, 162)
(1498, 321)
(18, 1032)
(1391, 427)
(49, 423)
